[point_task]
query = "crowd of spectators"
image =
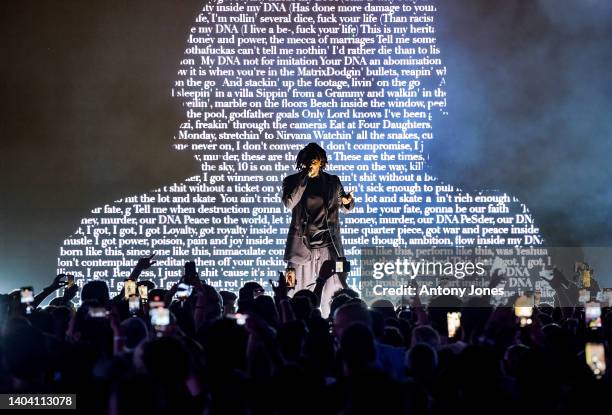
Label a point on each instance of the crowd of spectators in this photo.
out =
(250, 353)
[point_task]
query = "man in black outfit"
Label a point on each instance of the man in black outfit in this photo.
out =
(314, 198)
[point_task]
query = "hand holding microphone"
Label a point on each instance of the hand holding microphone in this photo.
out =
(314, 168)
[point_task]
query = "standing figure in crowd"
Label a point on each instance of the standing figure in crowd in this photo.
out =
(314, 197)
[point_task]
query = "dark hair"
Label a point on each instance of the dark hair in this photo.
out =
(357, 346)
(309, 153)
(95, 290)
(228, 297)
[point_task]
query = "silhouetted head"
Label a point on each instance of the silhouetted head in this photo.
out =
(350, 313)
(247, 294)
(61, 320)
(422, 362)
(337, 302)
(265, 308)
(348, 291)
(514, 359)
(392, 336)
(426, 335)
(357, 348)
(213, 308)
(302, 305)
(95, 290)
(135, 331)
(229, 301)
(91, 329)
(312, 298)
(385, 307)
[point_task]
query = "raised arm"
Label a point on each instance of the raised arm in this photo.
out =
(345, 200)
(292, 193)
(142, 264)
(56, 284)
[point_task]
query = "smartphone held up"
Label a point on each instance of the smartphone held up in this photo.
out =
(129, 288)
(596, 358)
(27, 295)
(523, 310)
(160, 318)
(592, 315)
(27, 298)
(453, 322)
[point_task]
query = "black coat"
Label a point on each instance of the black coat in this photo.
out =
(296, 249)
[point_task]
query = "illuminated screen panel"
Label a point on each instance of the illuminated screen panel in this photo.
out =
(260, 80)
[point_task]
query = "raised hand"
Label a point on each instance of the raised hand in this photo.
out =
(70, 291)
(327, 269)
(281, 288)
(347, 198)
(142, 264)
(145, 263)
(193, 280)
(58, 281)
(496, 278)
(191, 276)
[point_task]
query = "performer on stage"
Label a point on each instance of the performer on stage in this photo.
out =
(314, 198)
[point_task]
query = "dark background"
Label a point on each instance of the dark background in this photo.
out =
(86, 114)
